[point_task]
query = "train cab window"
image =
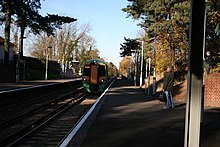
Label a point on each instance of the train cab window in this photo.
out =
(101, 70)
(86, 71)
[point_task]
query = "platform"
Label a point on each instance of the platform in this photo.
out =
(126, 117)
(4, 87)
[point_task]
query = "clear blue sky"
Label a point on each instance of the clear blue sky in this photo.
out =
(109, 24)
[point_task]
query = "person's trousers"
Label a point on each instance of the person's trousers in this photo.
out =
(169, 99)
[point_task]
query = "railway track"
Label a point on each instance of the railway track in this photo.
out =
(18, 128)
(45, 124)
(53, 133)
(8, 114)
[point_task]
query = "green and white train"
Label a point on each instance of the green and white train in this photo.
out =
(95, 76)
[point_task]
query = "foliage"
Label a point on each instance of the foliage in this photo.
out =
(26, 14)
(129, 46)
(169, 22)
(127, 66)
(213, 41)
(71, 46)
(23, 10)
(49, 23)
(112, 69)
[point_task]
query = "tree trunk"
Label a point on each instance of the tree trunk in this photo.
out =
(172, 49)
(173, 56)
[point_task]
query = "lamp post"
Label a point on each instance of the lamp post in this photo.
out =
(47, 56)
(155, 47)
(142, 58)
(148, 75)
(135, 67)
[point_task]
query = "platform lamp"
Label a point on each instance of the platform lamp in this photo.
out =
(47, 56)
(135, 66)
(155, 56)
(142, 58)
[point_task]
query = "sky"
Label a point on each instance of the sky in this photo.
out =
(109, 23)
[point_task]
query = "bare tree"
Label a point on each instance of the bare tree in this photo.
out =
(71, 43)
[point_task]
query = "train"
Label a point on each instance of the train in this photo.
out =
(95, 76)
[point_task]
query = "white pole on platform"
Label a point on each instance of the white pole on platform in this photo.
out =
(47, 56)
(142, 60)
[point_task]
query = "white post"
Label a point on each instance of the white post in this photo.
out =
(142, 56)
(155, 47)
(47, 58)
(46, 64)
(135, 69)
(148, 76)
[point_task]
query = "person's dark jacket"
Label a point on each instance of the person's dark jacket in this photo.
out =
(168, 81)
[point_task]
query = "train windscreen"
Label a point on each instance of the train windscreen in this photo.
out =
(86, 71)
(102, 70)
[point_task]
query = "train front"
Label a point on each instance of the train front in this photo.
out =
(95, 76)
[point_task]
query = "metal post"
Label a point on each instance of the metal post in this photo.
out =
(46, 64)
(142, 58)
(203, 85)
(47, 58)
(149, 76)
(146, 68)
(146, 80)
(195, 74)
(155, 47)
(135, 69)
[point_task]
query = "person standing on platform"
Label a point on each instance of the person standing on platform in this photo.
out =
(168, 82)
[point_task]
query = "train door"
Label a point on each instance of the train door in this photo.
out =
(94, 74)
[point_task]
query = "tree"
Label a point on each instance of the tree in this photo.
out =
(69, 44)
(26, 17)
(49, 23)
(129, 46)
(213, 40)
(6, 9)
(22, 10)
(126, 66)
(26, 14)
(169, 18)
(112, 69)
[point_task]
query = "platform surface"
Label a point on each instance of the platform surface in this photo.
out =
(25, 84)
(127, 117)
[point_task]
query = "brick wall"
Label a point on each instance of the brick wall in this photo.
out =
(212, 90)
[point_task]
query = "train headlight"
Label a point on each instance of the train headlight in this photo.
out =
(85, 80)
